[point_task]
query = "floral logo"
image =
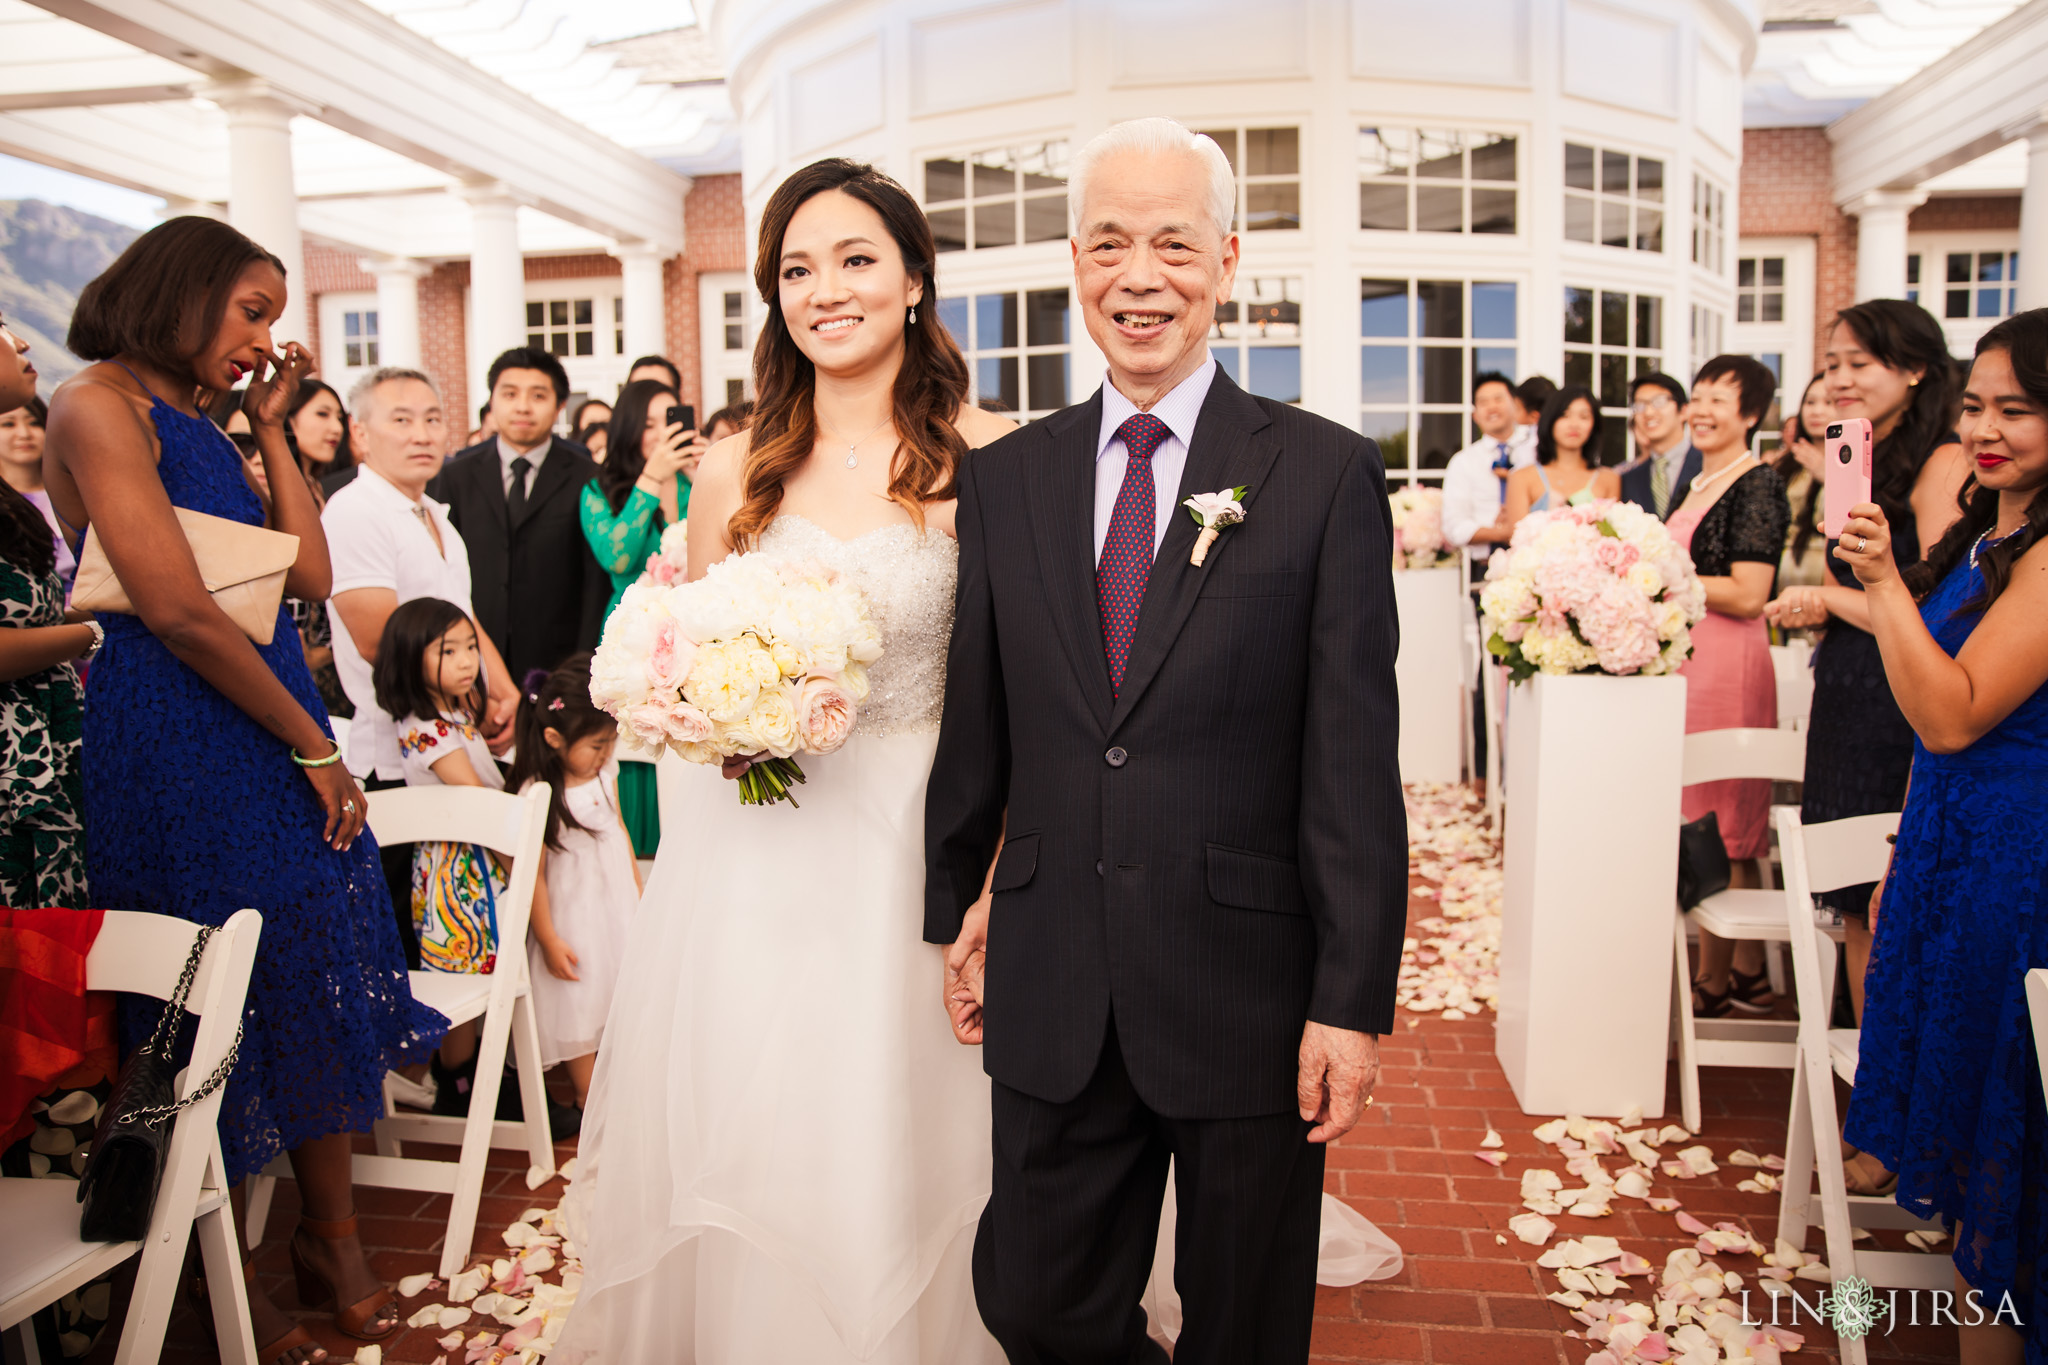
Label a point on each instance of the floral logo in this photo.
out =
(1853, 1308)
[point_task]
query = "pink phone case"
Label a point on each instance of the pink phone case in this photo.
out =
(1845, 462)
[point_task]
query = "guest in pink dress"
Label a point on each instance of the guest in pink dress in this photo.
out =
(1733, 522)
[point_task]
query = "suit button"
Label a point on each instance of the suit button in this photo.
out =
(1116, 758)
(1098, 867)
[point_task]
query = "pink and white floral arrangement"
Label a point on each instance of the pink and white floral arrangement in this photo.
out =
(761, 656)
(668, 564)
(1419, 528)
(1597, 588)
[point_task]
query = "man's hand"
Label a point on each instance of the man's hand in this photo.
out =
(499, 710)
(1338, 1070)
(964, 961)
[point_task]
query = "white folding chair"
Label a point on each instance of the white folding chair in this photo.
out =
(1493, 690)
(341, 726)
(2037, 1006)
(1826, 857)
(1792, 667)
(41, 1256)
(514, 826)
(1737, 913)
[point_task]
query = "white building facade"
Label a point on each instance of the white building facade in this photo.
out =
(1542, 186)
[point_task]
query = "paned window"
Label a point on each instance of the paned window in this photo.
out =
(1709, 223)
(1267, 162)
(1611, 336)
(359, 339)
(1760, 289)
(1421, 341)
(735, 391)
(999, 197)
(1979, 284)
(735, 334)
(1613, 198)
(1706, 334)
(1019, 348)
(1256, 337)
(561, 326)
(1434, 180)
(1768, 435)
(1913, 278)
(619, 325)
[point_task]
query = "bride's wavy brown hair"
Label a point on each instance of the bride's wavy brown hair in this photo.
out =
(930, 387)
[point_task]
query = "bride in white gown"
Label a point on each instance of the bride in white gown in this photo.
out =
(785, 1150)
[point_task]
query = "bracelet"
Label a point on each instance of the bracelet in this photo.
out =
(326, 762)
(99, 637)
(1891, 838)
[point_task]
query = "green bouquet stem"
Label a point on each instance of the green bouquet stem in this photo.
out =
(769, 781)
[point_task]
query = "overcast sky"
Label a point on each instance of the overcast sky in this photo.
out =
(27, 180)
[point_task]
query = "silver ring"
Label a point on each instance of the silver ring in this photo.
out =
(348, 807)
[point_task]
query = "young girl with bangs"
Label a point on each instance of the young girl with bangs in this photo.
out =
(589, 885)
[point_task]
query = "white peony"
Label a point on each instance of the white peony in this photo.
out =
(775, 721)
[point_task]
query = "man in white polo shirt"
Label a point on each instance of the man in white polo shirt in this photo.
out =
(391, 543)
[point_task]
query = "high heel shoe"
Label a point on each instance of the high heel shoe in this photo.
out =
(317, 1292)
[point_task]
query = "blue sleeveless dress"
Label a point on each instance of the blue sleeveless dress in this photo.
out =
(1948, 1089)
(193, 809)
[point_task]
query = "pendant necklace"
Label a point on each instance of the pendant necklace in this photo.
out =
(1702, 482)
(1986, 539)
(853, 447)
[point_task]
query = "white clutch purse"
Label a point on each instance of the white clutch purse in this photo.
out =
(242, 566)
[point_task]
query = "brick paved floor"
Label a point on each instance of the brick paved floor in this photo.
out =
(1461, 1298)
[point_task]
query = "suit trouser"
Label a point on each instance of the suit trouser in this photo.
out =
(1066, 1242)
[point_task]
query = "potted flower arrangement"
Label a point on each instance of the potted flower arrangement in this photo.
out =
(1419, 528)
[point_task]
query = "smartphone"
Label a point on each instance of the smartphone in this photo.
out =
(684, 415)
(1845, 464)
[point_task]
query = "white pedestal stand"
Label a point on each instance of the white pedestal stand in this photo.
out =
(1429, 672)
(1590, 863)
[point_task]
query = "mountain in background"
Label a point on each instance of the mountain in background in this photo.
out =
(47, 254)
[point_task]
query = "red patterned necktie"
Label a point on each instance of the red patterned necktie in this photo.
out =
(1128, 549)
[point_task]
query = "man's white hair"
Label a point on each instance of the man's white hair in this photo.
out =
(1160, 136)
(360, 392)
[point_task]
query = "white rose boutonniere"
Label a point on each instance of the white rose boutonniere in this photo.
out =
(1213, 512)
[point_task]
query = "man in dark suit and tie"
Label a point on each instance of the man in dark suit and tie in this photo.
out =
(1193, 928)
(1666, 462)
(537, 589)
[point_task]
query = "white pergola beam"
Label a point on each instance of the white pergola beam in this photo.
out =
(1974, 100)
(106, 149)
(370, 76)
(76, 99)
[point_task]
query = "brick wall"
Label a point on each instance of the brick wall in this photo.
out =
(1788, 191)
(1978, 213)
(715, 225)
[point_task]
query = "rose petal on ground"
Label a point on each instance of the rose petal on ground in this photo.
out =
(1774, 1163)
(453, 1316)
(1532, 1228)
(1632, 1183)
(1740, 1157)
(1664, 1204)
(372, 1354)
(1688, 1223)
(1926, 1239)
(1814, 1270)
(1550, 1132)
(468, 1284)
(1537, 1181)
(449, 1342)
(1698, 1160)
(431, 1313)
(1570, 1298)
(1492, 1139)
(1671, 1132)
(520, 1235)
(537, 1176)
(1493, 1159)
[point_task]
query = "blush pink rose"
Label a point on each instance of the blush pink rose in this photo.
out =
(663, 570)
(685, 724)
(669, 662)
(825, 715)
(647, 723)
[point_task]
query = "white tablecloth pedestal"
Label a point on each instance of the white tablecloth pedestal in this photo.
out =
(1429, 673)
(1590, 864)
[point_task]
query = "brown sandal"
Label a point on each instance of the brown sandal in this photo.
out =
(317, 1292)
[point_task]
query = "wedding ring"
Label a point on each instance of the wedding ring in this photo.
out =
(348, 807)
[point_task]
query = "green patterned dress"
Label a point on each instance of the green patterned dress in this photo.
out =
(623, 542)
(42, 844)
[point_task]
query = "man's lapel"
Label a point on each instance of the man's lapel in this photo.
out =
(552, 476)
(1233, 447)
(1062, 506)
(482, 472)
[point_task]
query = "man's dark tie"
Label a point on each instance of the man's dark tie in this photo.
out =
(1128, 549)
(515, 501)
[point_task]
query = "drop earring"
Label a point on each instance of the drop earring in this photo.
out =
(913, 315)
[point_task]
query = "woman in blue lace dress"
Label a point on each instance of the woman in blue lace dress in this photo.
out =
(1948, 1089)
(210, 780)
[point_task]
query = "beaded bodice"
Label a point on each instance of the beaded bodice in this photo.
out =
(908, 577)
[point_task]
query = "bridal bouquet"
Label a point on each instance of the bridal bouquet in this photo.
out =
(1419, 528)
(668, 563)
(1599, 587)
(760, 656)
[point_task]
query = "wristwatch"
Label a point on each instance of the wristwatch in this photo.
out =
(99, 637)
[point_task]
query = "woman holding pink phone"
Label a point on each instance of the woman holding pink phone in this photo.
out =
(1887, 364)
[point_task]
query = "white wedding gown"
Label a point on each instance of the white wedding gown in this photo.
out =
(785, 1152)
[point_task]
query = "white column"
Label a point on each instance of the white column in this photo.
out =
(263, 198)
(640, 289)
(2034, 222)
(1881, 241)
(193, 208)
(398, 308)
(497, 282)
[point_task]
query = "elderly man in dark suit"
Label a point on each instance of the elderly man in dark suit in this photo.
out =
(1184, 746)
(537, 589)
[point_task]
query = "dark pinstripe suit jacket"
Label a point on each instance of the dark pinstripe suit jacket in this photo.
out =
(1219, 853)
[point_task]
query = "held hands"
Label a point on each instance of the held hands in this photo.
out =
(1798, 609)
(561, 959)
(274, 384)
(1866, 545)
(1338, 1070)
(346, 807)
(965, 962)
(499, 710)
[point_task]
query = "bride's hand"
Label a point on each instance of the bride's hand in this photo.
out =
(735, 768)
(964, 963)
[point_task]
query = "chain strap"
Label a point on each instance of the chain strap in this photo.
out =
(161, 1040)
